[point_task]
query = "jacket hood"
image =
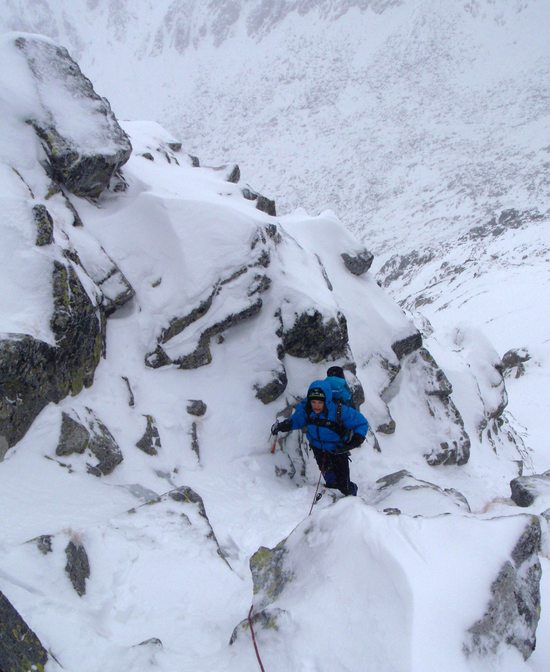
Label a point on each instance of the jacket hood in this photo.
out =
(325, 386)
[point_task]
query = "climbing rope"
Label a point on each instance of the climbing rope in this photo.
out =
(254, 639)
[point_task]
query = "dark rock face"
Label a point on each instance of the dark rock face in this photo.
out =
(513, 362)
(89, 435)
(78, 327)
(234, 175)
(44, 225)
(20, 648)
(454, 449)
(358, 263)
(403, 266)
(262, 202)
(150, 441)
(210, 318)
(84, 165)
(272, 390)
(34, 373)
(317, 339)
(196, 407)
(513, 612)
(526, 489)
(507, 219)
(27, 383)
(407, 345)
(77, 567)
(74, 437)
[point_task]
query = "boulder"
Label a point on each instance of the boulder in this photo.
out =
(78, 566)
(407, 345)
(403, 492)
(83, 432)
(526, 489)
(150, 441)
(196, 407)
(84, 156)
(272, 389)
(262, 202)
(513, 362)
(20, 648)
(359, 262)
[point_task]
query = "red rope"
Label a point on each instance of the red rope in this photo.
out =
(254, 639)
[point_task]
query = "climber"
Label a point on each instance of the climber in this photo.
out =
(332, 430)
(340, 389)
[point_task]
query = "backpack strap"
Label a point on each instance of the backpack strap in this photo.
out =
(334, 425)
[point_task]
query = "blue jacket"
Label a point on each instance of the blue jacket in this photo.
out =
(321, 427)
(340, 389)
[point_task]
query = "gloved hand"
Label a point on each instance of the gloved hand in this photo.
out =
(284, 426)
(354, 441)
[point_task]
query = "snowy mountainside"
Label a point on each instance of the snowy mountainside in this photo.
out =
(419, 123)
(139, 499)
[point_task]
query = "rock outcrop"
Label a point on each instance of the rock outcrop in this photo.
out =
(83, 162)
(526, 489)
(513, 612)
(83, 433)
(20, 648)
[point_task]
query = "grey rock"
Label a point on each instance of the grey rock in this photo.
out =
(44, 543)
(402, 484)
(74, 437)
(20, 648)
(407, 345)
(513, 611)
(266, 619)
(452, 449)
(269, 574)
(150, 441)
(513, 362)
(316, 338)
(526, 489)
(274, 388)
(34, 373)
(403, 266)
(103, 446)
(196, 407)
(85, 170)
(359, 262)
(187, 495)
(78, 327)
(89, 435)
(44, 225)
(262, 202)
(195, 445)
(131, 400)
(77, 567)
(234, 175)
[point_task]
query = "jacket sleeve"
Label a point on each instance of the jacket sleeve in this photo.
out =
(299, 418)
(354, 420)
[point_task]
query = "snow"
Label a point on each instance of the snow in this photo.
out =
(372, 591)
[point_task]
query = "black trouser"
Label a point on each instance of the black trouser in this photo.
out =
(335, 469)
